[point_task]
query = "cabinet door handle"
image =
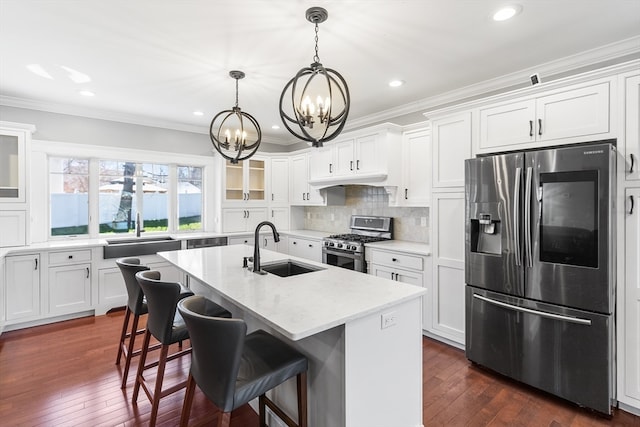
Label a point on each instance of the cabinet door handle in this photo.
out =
(539, 126)
(303, 196)
(248, 196)
(330, 168)
(70, 256)
(394, 259)
(248, 214)
(87, 272)
(265, 242)
(406, 193)
(36, 266)
(272, 197)
(631, 209)
(351, 165)
(357, 164)
(531, 128)
(633, 159)
(308, 196)
(271, 213)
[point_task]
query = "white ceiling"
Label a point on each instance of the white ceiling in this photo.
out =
(157, 61)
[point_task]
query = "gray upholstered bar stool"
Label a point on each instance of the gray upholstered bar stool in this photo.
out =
(166, 325)
(137, 307)
(232, 368)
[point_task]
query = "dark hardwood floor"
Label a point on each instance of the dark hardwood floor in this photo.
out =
(64, 375)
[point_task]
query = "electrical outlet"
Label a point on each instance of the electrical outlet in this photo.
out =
(387, 319)
(423, 221)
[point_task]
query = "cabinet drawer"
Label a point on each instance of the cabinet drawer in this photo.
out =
(397, 260)
(69, 257)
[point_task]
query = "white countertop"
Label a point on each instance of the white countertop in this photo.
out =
(402, 246)
(297, 306)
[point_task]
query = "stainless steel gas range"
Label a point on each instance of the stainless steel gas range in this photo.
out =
(347, 250)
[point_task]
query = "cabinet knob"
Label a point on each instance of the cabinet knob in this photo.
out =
(70, 256)
(295, 243)
(394, 259)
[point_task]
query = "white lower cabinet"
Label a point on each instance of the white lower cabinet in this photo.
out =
(22, 278)
(305, 248)
(242, 219)
(398, 266)
(630, 389)
(68, 287)
(447, 307)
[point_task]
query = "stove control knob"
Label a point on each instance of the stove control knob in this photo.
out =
(331, 244)
(351, 247)
(339, 245)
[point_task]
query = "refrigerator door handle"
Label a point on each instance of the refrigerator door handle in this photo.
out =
(516, 217)
(527, 219)
(535, 312)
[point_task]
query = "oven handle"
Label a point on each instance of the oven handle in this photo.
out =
(350, 255)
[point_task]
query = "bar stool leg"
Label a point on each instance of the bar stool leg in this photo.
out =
(123, 334)
(188, 400)
(130, 350)
(301, 381)
(157, 394)
(141, 363)
(224, 419)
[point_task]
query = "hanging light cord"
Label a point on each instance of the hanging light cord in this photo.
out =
(237, 93)
(316, 58)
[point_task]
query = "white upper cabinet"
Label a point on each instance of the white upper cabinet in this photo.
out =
(321, 162)
(632, 127)
(279, 187)
(367, 156)
(239, 219)
(416, 169)
(451, 147)
(244, 182)
(572, 112)
(12, 166)
(300, 192)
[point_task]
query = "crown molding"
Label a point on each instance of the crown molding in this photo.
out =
(591, 58)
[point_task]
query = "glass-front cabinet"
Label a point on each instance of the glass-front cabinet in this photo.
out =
(12, 166)
(245, 181)
(15, 141)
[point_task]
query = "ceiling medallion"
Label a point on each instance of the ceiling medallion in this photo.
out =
(236, 135)
(314, 105)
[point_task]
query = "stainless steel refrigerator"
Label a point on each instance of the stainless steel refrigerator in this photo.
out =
(540, 269)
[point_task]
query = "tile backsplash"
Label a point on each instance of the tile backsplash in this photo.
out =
(368, 200)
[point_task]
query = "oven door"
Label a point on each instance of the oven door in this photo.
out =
(348, 260)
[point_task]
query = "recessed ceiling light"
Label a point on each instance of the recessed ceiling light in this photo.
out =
(86, 93)
(198, 113)
(396, 83)
(39, 71)
(275, 127)
(507, 12)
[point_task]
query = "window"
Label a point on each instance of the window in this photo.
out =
(69, 196)
(167, 198)
(120, 199)
(189, 198)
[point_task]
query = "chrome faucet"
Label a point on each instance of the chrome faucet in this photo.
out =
(256, 245)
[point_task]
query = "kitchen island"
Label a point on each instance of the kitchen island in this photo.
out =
(362, 334)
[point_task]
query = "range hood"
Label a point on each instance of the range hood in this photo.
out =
(376, 179)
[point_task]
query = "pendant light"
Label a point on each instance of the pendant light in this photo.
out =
(315, 103)
(235, 134)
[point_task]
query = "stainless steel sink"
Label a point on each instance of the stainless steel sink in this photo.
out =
(118, 248)
(287, 268)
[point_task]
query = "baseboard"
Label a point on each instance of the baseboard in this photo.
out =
(47, 320)
(628, 408)
(443, 340)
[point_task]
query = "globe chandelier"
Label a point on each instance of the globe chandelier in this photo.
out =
(314, 105)
(235, 134)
